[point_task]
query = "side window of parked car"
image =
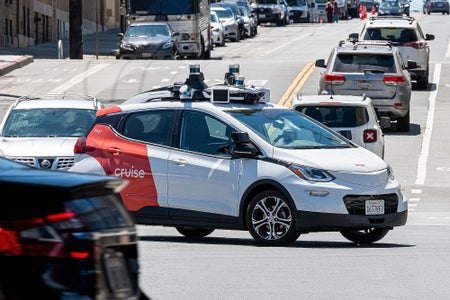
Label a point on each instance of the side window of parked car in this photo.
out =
(205, 134)
(150, 126)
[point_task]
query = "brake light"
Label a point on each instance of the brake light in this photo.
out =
(370, 136)
(393, 80)
(416, 45)
(334, 78)
(81, 146)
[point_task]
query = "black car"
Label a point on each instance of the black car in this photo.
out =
(65, 236)
(148, 40)
(435, 6)
(390, 8)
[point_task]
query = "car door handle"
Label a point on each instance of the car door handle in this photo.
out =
(114, 150)
(180, 161)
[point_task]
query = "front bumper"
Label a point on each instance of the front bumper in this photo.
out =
(316, 221)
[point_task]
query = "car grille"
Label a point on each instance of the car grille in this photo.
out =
(355, 204)
(264, 10)
(46, 163)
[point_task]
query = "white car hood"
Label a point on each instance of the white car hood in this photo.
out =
(50, 147)
(352, 160)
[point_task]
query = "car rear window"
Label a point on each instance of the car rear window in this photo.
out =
(398, 36)
(352, 62)
(337, 116)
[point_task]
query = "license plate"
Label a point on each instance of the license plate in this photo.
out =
(374, 207)
(364, 86)
(117, 272)
(146, 55)
(261, 16)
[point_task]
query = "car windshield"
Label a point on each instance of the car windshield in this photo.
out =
(286, 128)
(147, 30)
(49, 122)
(349, 62)
(224, 13)
(296, 3)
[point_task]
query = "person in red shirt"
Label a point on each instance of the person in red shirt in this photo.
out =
(329, 10)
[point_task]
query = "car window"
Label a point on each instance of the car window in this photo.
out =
(288, 129)
(352, 62)
(396, 35)
(49, 122)
(204, 133)
(150, 126)
(337, 116)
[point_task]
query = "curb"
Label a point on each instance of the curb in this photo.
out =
(18, 63)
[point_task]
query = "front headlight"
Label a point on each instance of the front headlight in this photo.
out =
(127, 46)
(311, 174)
(167, 45)
(390, 173)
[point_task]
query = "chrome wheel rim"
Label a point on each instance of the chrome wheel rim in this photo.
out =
(271, 218)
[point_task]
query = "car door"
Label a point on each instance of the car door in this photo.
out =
(202, 178)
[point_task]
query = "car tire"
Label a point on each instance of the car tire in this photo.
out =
(271, 219)
(222, 42)
(365, 236)
(403, 123)
(192, 232)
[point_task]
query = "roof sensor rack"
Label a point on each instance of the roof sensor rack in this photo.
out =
(233, 89)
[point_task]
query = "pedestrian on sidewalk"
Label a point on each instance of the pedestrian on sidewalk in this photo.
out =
(335, 12)
(329, 10)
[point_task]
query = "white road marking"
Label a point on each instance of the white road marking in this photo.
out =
(79, 78)
(416, 191)
(422, 162)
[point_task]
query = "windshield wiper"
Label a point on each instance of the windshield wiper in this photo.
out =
(374, 71)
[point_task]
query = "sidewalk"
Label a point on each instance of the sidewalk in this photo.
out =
(103, 45)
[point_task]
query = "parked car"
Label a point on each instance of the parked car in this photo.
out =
(271, 11)
(252, 15)
(200, 158)
(374, 68)
(435, 6)
(65, 236)
(352, 116)
(390, 8)
(298, 11)
(41, 130)
(217, 29)
(148, 40)
(250, 23)
(237, 14)
(230, 23)
(406, 34)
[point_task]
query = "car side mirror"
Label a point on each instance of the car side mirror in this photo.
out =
(176, 34)
(353, 37)
(321, 63)
(120, 35)
(429, 37)
(241, 145)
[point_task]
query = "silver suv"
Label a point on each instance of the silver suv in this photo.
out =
(407, 35)
(373, 68)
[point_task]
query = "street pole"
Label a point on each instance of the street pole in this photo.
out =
(75, 32)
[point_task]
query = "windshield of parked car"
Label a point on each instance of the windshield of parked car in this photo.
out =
(287, 128)
(296, 3)
(224, 13)
(49, 122)
(147, 30)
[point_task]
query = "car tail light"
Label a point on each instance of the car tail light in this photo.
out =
(334, 78)
(417, 45)
(393, 80)
(40, 236)
(81, 146)
(370, 136)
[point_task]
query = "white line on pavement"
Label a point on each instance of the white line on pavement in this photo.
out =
(77, 79)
